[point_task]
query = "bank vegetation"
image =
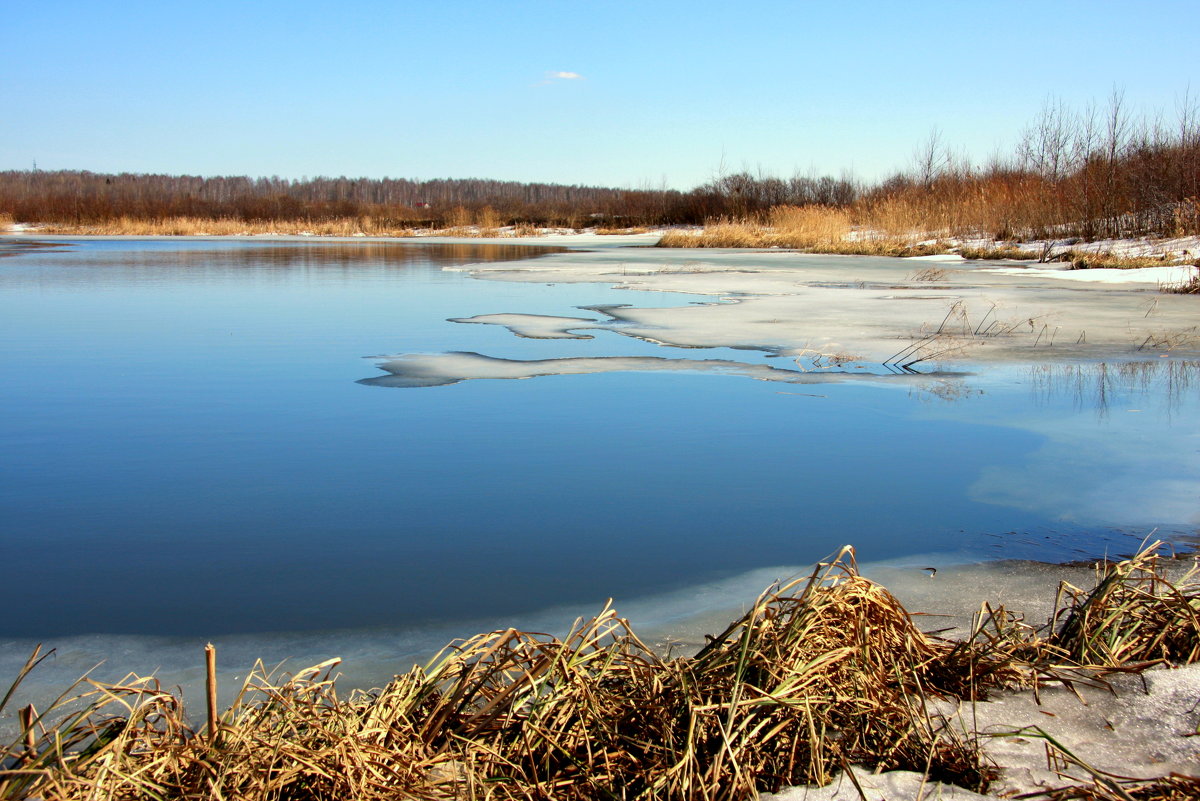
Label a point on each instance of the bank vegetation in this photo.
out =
(818, 675)
(1075, 177)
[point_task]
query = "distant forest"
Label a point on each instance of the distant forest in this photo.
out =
(1094, 173)
(81, 198)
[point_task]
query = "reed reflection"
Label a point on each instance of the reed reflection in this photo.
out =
(1097, 386)
(317, 254)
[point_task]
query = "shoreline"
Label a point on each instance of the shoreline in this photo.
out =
(1097, 727)
(1069, 252)
(942, 590)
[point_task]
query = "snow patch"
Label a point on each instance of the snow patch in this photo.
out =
(1170, 274)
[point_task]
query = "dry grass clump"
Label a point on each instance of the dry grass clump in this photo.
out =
(723, 233)
(1134, 614)
(1188, 286)
(489, 222)
(819, 229)
(881, 246)
(1084, 260)
(1078, 259)
(817, 675)
(620, 231)
(677, 238)
(526, 229)
(463, 222)
(999, 252)
(809, 227)
(904, 218)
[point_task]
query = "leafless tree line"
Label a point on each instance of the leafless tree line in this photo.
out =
(83, 197)
(1097, 172)
(1094, 173)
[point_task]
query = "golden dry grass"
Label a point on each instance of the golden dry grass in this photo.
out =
(817, 229)
(1086, 260)
(1000, 252)
(1188, 286)
(905, 225)
(808, 227)
(202, 226)
(817, 675)
(462, 224)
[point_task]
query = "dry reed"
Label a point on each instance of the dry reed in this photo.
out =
(462, 223)
(1086, 260)
(997, 253)
(817, 675)
(1188, 286)
(202, 226)
(820, 229)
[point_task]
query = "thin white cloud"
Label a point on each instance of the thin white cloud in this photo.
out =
(559, 75)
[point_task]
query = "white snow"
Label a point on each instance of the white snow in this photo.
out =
(1170, 274)
(872, 308)
(896, 785)
(936, 257)
(535, 326)
(439, 369)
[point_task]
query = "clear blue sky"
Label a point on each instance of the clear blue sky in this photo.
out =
(669, 92)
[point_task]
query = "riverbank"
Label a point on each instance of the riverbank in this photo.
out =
(817, 675)
(806, 230)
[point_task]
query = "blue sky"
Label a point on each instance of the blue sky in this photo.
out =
(668, 92)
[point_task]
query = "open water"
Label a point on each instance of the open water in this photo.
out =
(187, 452)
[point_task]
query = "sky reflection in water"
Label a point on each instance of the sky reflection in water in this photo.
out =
(187, 450)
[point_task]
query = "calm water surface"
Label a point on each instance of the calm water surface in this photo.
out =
(185, 450)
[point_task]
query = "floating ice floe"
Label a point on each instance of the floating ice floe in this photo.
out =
(440, 369)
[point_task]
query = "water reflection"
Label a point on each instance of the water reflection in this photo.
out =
(1119, 445)
(14, 247)
(1097, 386)
(943, 388)
(190, 254)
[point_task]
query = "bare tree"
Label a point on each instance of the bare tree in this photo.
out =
(1046, 146)
(931, 157)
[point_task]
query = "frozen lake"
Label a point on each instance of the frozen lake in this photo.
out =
(196, 442)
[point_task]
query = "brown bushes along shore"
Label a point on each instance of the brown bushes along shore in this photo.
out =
(1092, 174)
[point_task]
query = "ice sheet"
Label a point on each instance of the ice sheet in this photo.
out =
(440, 369)
(871, 308)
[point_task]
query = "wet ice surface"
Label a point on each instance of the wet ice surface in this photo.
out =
(189, 453)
